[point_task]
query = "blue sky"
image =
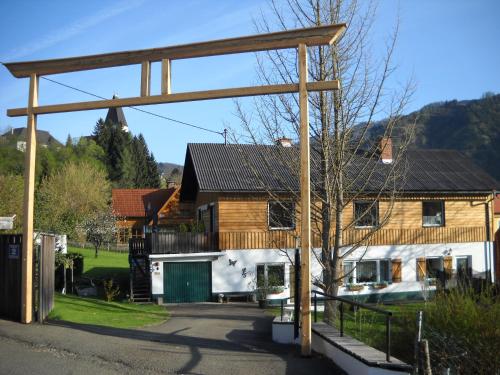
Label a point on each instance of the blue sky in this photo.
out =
(451, 48)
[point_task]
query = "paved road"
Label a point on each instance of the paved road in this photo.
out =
(197, 339)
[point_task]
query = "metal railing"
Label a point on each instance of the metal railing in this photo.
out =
(388, 316)
(326, 297)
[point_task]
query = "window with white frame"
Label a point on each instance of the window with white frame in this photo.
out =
(281, 214)
(271, 274)
(365, 214)
(367, 271)
(433, 214)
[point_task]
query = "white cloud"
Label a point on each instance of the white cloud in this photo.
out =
(70, 31)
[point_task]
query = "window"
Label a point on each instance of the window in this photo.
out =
(367, 271)
(123, 235)
(281, 215)
(464, 270)
(366, 214)
(270, 275)
(433, 214)
(434, 267)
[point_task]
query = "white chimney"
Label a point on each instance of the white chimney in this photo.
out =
(284, 142)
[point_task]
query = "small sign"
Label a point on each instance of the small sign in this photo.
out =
(14, 251)
(7, 222)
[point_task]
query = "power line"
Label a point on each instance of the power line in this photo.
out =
(223, 133)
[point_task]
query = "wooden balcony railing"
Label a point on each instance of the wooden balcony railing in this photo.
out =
(180, 243)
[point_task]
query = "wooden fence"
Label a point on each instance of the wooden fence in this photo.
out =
(44, 278)
(10, 276)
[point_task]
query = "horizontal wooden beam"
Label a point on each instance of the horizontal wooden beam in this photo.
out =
(176, 98)
(312, 36)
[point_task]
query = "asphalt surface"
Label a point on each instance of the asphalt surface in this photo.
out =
(197, 339)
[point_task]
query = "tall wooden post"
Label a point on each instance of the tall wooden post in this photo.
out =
(29, 198)
(305, 206)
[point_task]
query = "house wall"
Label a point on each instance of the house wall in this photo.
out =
(227, 278)
(250, 213)
(239, 276)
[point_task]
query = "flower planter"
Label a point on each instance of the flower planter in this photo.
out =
(379, 286)
(355, 288)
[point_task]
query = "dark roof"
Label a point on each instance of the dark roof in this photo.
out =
(116, 115)
(43, 137)
(258, 168)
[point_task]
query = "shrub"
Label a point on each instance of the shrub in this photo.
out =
(462, 329)
(111, 291)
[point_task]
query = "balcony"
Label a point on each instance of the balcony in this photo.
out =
(185, 243)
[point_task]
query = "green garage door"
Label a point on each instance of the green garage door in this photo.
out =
(187, 282)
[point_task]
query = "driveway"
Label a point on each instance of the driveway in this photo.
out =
(197, 339)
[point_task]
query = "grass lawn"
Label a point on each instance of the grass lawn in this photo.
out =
(110, 314)
(108, 264)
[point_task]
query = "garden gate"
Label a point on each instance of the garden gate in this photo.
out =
(11, 277)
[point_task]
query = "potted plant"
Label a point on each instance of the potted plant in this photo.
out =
(355, 287)
(267, 289)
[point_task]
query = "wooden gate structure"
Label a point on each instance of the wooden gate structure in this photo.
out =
(43, 286)
(11, 277)
(298, 38)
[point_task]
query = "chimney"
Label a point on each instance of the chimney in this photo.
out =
(385, 149)
(284, 142)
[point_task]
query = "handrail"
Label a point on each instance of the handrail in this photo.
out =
(359, 304)
(388, 316)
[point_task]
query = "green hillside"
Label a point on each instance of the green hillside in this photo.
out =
(469, 126)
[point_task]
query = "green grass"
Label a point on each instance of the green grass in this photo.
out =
(110, 314)
(107, 264)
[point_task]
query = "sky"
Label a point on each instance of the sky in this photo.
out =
(451, 49)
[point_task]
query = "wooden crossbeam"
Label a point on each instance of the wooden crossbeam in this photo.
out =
(176, 98)
(312, 36)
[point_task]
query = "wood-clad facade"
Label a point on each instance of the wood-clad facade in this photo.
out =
(242, 221)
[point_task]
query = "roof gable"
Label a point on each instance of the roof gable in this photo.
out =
(139, 202)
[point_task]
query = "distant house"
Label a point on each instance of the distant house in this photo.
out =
(440, 225)
(136, 208)
(18, 137)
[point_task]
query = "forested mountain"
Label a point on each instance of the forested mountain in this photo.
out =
(469, 126)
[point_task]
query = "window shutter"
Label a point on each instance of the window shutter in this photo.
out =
(421, 271)
(448, 266)
(396, 270)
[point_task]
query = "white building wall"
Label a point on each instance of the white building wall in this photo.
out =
(239, 275)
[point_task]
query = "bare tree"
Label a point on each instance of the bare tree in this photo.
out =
(346, 148)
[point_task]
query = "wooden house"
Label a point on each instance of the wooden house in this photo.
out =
(441, 222)
(136, 208)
